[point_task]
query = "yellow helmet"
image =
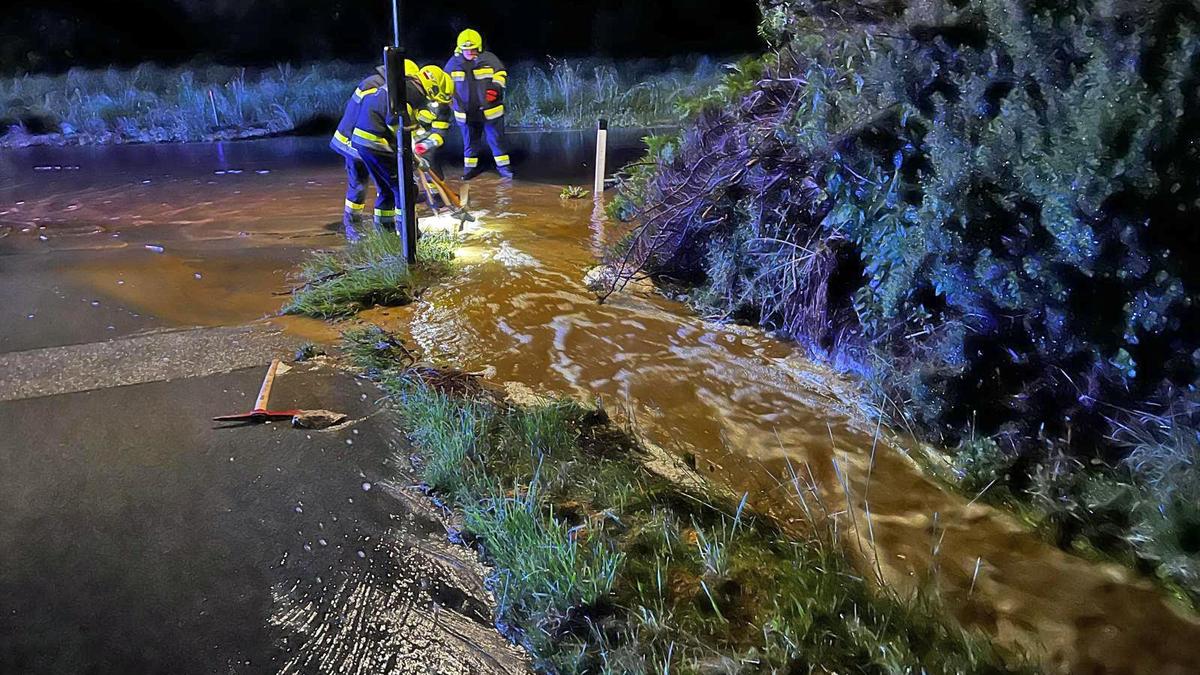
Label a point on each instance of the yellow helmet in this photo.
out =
(411, 69)
(470, 39)
(438, 85)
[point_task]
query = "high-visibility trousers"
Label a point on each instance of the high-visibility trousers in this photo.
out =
(474, 132)
(386, 176)
(357, 176)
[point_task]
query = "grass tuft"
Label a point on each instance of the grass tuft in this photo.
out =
(545, 430)
(450, 429)
(546, 569)
(370, 272)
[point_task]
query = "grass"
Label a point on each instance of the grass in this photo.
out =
(574, 192)
(545, 569)
(602, 566)
(368, 273)
(149, 104)
(154, 104)
(572, 94)
(1141, 512)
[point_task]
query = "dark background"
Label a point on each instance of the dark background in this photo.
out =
(52, 35)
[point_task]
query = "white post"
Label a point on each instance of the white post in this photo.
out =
(601, 157)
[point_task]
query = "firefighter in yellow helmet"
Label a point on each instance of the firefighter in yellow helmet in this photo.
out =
(373, 137)
(433, 119)
(480, 81)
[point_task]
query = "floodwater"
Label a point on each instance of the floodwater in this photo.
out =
(751, 410)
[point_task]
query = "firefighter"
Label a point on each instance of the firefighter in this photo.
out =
(356, 171)
(374, 137)
(479, 84)
(434, 118)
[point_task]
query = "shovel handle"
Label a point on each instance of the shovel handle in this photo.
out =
(444, 189)
(264, 394)
(428, 193)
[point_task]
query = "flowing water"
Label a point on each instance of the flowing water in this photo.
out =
(751, 411)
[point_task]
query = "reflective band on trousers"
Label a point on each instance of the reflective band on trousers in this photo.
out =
(502, 160)
(354, 207)
(385, 213)
(471, 162)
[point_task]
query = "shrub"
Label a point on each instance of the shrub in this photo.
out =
(989, 205)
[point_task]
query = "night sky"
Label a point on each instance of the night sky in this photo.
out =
(50, 35)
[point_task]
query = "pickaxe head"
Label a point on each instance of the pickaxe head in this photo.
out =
(259, 416)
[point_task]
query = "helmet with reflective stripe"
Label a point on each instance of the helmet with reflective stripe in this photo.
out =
(438, 85)
(470, 39)
(411, 69)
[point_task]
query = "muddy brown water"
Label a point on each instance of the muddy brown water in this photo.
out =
(750, 409)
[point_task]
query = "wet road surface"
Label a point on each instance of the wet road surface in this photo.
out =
(140, 537)
(137, 536)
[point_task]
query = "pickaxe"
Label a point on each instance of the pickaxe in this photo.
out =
(261, 413)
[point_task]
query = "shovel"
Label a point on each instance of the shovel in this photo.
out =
(429, 198)
(448, 194)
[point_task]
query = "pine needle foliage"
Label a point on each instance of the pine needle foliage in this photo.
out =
(988, 206)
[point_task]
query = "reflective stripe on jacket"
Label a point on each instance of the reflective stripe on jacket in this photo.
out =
(375, 128)
(342, 138)
(433, 123)
(472, 79)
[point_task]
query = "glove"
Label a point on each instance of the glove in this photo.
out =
(492, 95)
(421, 149)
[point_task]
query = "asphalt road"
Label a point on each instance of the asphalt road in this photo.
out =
(140, 537)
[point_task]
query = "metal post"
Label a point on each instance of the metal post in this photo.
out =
(393, 58)
(601, 157)
(396, 23)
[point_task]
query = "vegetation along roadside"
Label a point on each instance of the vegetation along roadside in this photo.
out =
(985, 209)
(371, 271)
(151, 104)
(603, 565)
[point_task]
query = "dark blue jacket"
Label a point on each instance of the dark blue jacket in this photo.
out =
(341, 141)
(472, 79)
(375, 129)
